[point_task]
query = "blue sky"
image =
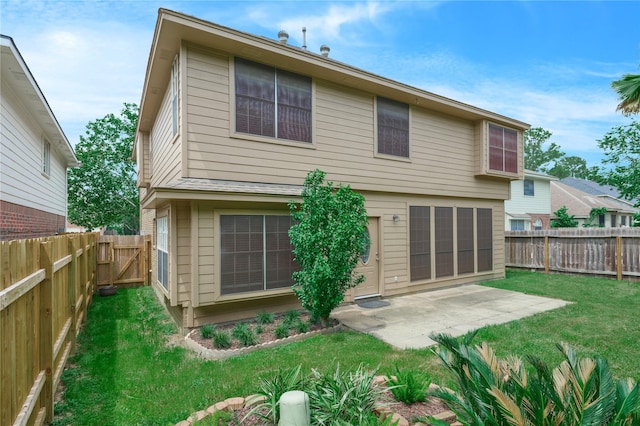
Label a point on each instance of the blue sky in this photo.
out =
(547, 63)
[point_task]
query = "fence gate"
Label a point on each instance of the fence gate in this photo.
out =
(123, 260)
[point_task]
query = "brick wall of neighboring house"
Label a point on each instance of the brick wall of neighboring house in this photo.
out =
(19, 222)
(545, 218)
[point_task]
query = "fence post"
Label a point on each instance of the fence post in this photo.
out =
(46, 327)
(73, 295)
(619, 256)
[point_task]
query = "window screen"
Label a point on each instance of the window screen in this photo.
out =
(420, 242)
(466, 255)
(444, 241)
(503, 149)
(393, 127)
(485, 240)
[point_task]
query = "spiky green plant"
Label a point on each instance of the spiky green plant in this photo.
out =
(264, 318)
(409, 386)
(245, 334)
(282, 330)
(580, 391)
(206, 331)
(272, 389)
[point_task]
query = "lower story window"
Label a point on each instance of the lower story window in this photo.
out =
(255, 253)
(163, 250)
(517, 224)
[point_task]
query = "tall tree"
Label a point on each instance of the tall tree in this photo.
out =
(103, 191)
(621, 147)
(537, 155)
(571, 166)
(628, 89)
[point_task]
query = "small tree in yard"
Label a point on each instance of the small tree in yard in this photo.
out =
(564, 219)
(328, 238)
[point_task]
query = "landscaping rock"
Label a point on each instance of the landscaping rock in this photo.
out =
(252, 400)
(222, 405)
(235, 403)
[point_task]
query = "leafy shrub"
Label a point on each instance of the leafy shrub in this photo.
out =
(272, 389)
(264, 318)
(502, 392)
(206, 331)
(301, 326)
(221, 339)
(343, 397)
(282, 330)
(409, 386)
(245, 334)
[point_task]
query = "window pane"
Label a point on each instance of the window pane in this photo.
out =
(255, 98)
(528, 187)
(503, 149)
(241, 254)
(393, 127)
(279, 254)
(465, 241)
(485, 240)
(294, 106)
(444, 241)
(420, 242)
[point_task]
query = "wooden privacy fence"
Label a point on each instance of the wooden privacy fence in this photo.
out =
(46, 286)
(596, 251)
(123, 260)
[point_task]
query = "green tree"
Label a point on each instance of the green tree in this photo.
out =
(621, 147)
(328, 238)
(537, 155)
(103, 191)
(628, 89)
(571, 166)
(563, 219)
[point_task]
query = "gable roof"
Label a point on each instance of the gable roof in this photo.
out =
(580, 203)
(590, 187)
(15, 71)
(173, 28)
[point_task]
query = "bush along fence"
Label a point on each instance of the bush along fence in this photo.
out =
(613, 252)
(46, 286)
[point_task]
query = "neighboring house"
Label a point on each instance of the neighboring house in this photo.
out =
(580, 204)
(231, 123)
(529, 207)
(34, 154)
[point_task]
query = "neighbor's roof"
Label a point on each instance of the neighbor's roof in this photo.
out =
(580, 203)
(15, 72)
(590, 187)
(538, 175)
(173, 28)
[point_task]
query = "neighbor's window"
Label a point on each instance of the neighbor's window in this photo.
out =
(614, 220)
(503, 149)
(174, 95)
(393, 127)
(272, 102)
(623, 221)
(444, 241)
(485, 240)
(601, 221)
(46, 157)
(538, 224)
(517, 224)
(420, 242)
(528, 187)
(162, 231)
(255, 253)
(466, 254)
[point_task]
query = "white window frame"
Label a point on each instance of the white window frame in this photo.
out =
(162, 246)
(46, 157)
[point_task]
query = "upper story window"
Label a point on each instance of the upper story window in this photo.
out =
(528, 187)
(174, 95)
(272, 102)
(46, 157)
(503, 149)
(393, 127)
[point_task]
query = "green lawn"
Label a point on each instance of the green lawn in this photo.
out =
(125, 373)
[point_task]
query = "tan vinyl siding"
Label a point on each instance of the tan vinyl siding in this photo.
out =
(206, 269)
(442, 148)
(183, 267)
(166, 158)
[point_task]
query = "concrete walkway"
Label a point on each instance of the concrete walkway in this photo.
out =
(407, 321)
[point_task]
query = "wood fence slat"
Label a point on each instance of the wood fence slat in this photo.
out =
(46, 327)
(17, 290)
(30, 402)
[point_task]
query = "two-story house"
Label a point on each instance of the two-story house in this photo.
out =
(231, 123)
(529, 207)
(34, 154)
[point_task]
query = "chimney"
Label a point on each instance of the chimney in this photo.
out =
(324, 50)
(304, 38)
(283, 36)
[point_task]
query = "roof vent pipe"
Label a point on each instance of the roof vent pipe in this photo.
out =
(283, 36)
(324, 50)
(304, 38)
